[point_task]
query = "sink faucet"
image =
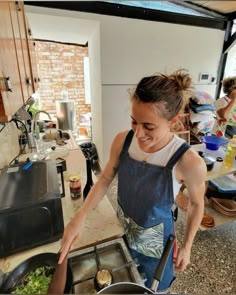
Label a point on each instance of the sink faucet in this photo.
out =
(35, 118)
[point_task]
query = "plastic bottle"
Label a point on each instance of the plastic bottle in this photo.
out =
(230, 153)
(89, 182)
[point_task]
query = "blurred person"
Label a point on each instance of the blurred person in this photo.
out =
(226, 108)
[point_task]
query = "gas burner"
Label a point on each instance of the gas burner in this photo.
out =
(97, 267)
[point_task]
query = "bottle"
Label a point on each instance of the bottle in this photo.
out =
(230, 153)
(89, 182)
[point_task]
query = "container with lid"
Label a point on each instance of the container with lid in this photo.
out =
(75, 187)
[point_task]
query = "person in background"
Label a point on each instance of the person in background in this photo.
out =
(226, 107)
(151, 163)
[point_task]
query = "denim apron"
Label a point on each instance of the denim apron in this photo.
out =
(145, 199)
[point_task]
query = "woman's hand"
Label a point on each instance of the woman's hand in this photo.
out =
(183, 258)
(71, 232)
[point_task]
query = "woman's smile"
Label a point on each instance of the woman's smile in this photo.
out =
(151, 129)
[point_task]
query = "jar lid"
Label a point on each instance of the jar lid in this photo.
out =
(75, 178)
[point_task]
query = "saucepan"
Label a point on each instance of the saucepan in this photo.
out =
(132, 288)
(17, 275)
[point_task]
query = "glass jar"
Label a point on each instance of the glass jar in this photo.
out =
(75, 187)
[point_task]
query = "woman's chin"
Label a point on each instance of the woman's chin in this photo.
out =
(144, 145)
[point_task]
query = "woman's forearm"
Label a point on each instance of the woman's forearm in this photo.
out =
(194, 218)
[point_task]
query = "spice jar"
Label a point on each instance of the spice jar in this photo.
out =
(75, 187)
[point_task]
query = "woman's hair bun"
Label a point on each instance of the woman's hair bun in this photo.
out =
(182, 79)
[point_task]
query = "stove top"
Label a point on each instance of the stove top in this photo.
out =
(112, 256)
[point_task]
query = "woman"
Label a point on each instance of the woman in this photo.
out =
(226, 107)
(151, 163)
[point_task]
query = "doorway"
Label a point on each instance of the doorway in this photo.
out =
(63, 71)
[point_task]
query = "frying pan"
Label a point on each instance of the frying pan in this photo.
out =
(24, 268)
(132, 288)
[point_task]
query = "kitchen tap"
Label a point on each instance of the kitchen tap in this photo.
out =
(35, 118)
(33, 134)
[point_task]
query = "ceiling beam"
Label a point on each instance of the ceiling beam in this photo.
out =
(200, 9)
(231, 15)
(100, 7)
(230, 43)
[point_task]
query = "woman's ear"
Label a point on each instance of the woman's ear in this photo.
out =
(175, 120)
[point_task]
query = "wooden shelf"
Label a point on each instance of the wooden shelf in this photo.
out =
(183, 125)
(181, 132)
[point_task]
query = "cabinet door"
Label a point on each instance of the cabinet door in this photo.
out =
(19, 48)
(33, 59)
(29, 50)
(11, 92)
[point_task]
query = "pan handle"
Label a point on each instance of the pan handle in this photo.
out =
(162, 264)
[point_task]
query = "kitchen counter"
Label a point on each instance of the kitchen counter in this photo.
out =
(101, 225)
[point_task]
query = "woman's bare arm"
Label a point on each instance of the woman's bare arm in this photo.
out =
(75, 226)
(193, 170)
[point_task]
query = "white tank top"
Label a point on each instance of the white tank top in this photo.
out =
(160, 157)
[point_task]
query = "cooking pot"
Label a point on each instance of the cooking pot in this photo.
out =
(208, 159)
(44, 259)
(132, 288)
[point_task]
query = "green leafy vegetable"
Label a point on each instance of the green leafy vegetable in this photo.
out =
(36, 282)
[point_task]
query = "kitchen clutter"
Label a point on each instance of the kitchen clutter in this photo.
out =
(213, 142)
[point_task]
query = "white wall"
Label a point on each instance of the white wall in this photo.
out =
(131, 49)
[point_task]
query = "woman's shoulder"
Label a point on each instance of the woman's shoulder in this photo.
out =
(119, 140)
(121, 136)
(191, 164)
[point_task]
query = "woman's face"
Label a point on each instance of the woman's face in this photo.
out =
(151, 129)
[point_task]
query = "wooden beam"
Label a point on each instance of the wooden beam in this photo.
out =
(100, 7)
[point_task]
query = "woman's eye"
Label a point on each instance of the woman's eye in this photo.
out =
(149, 128)
(134, 123)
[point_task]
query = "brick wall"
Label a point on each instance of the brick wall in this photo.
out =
(60, 68)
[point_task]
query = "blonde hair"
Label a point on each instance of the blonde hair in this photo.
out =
(169, 91)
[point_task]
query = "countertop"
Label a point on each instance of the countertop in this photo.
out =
(219, 168)
(101, 225)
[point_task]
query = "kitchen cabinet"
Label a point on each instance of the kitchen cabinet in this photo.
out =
(16, 74)
(10, 84)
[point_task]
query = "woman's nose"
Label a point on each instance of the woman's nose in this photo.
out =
(139, 132)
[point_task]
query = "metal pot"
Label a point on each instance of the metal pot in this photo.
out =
(132, 288)
(208, 159)
(17, 274)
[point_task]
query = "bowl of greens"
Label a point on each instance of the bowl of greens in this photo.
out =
(34, 275)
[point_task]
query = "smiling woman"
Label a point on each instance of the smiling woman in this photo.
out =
(147, 187)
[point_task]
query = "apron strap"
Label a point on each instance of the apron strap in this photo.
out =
(177, 155)
(128, 140)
